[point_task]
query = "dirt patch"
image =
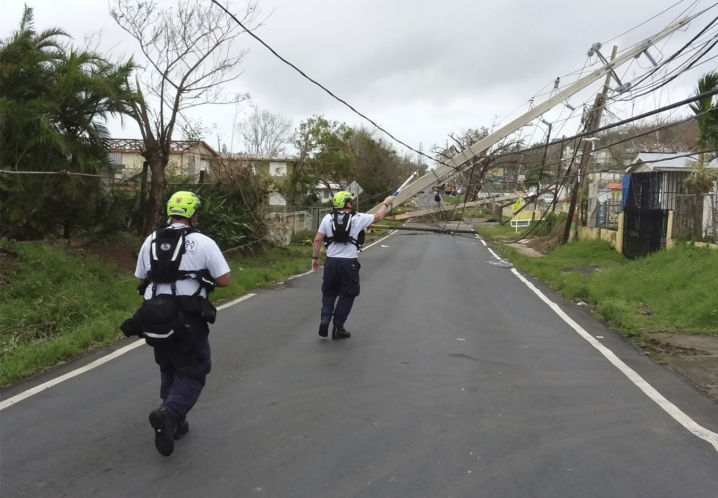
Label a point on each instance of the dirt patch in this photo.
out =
(584, 270)
(523, 247)
(693, 356)
(544, 245)
(114, 252)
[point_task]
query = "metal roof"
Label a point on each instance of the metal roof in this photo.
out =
(646, 162)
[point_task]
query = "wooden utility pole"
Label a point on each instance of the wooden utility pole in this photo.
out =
(593, 121)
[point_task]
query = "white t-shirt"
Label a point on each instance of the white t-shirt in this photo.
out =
(201, 252)
(360, 221)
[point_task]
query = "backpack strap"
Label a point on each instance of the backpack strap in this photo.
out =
(203, 277)
(330, 240)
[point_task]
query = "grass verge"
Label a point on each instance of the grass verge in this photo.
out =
(667, 291)
(56, 303)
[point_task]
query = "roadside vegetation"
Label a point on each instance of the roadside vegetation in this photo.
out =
(57, 302)
(666, 291)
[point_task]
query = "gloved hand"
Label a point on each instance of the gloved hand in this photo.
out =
(130, 327)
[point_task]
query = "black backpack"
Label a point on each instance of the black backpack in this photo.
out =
(341, 228)
(161, 319)
(166, 250)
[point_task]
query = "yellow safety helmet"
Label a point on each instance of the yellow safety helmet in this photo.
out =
(183, 204)
(341, 198)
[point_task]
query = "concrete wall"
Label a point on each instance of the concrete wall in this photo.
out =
(613, 237)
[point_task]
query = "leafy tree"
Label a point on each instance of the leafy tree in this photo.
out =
(324, 156)
(379, 169)
(188, 49)
(266, 133)
(53, 102)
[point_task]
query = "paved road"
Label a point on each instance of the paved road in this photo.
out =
(458, 381)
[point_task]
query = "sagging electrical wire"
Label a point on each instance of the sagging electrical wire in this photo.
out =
(344, 102)
(651, 19)
(616, 124)
(347, 104)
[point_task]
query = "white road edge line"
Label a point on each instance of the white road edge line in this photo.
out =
(676, 413)
(90, 366)
(671, 409)
(50, 383)
(101, 361)
(380, 240)
(236, 301)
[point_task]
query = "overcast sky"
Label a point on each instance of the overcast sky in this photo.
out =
(421, 69)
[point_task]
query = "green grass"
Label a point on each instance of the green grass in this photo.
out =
(667, 291)
(56, 303)
(499, 231)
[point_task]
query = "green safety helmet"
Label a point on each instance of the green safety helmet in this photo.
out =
(183, 204)
(341, 198)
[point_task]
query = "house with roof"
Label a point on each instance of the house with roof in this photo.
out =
(187, 158)
(661, 177)
(658, 205)
(276, 170)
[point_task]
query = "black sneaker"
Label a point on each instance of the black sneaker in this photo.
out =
(164, 427)
(181, 429)
(339, 332)
(324, 329)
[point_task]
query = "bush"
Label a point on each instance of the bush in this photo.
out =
(302, 237)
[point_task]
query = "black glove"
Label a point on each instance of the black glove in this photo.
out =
(130, 327)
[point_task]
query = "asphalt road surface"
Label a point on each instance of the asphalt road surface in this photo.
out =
(458, 381)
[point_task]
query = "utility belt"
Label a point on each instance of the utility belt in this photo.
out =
(168, 319)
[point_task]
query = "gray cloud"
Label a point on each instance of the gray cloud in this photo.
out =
(420, 68)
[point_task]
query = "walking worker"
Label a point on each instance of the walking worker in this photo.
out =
(343, 232)
(179, 266)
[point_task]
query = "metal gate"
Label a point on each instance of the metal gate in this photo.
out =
(646, 222)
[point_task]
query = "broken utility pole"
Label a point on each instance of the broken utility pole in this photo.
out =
(593, 122)
(459, 161)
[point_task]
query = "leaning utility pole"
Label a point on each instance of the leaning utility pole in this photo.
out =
(593, 122)
(459, 161)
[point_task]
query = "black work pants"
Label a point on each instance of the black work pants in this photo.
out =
(340, 285)
(184, 366)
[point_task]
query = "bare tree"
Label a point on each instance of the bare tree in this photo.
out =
(266, 133)
(189, 55)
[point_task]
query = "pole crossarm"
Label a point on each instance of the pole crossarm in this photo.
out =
(476, 149)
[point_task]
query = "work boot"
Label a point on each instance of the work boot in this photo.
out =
(164, 427)
(181, 429)
(339, 332)
(324, 329)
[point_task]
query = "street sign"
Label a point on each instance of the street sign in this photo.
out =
(355, 189)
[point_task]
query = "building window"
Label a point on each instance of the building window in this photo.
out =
(115, 158)
(277, 169)
(191, 165)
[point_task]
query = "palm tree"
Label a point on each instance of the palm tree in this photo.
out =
(53, 103)
(706, 110)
